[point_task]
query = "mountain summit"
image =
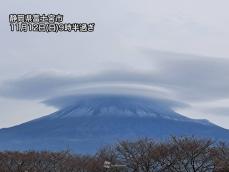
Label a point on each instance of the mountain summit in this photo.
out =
(88, 122)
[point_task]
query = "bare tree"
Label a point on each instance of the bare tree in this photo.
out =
(183, 154)
(140, 156)
(221, 157)
(191, 155)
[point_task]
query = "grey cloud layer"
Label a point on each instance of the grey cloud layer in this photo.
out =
(193, 77)
(65, 101)
(179, 76)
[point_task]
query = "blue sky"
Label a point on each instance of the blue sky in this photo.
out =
(176, 50)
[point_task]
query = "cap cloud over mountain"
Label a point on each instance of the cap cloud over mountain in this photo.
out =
(194, 82)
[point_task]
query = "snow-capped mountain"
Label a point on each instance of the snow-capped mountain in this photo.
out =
(85, 124)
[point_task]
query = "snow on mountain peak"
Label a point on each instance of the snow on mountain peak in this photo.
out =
(115, 105)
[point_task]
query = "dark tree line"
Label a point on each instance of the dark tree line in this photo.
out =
(144, 155)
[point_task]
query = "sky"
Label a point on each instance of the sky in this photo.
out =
(175, 50)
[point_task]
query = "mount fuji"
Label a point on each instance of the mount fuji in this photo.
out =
(88, 122)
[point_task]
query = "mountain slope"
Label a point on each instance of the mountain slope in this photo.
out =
(93, 121)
